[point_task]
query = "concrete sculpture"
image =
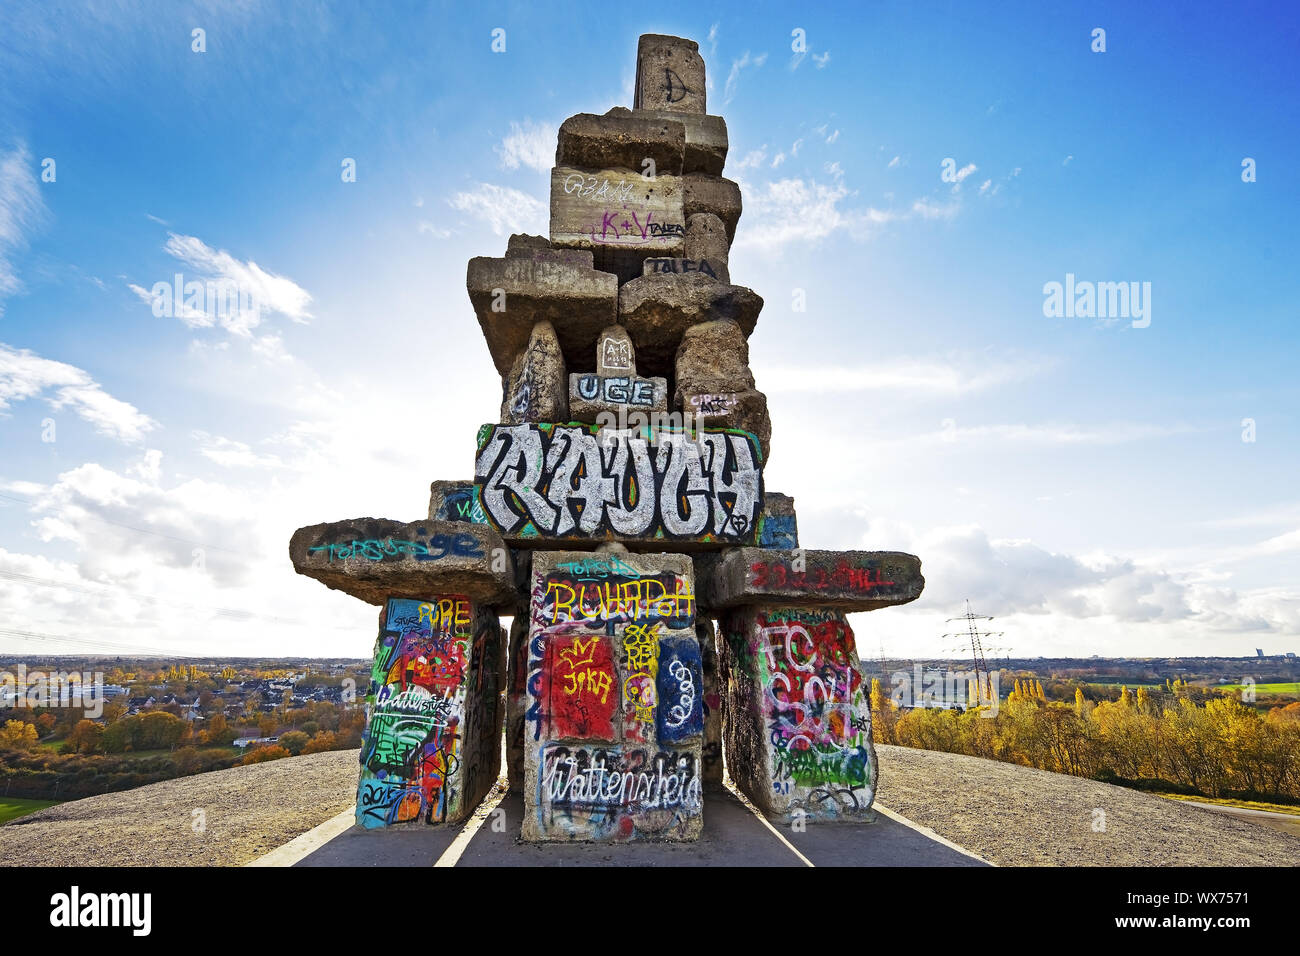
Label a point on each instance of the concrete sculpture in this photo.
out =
(617, 510)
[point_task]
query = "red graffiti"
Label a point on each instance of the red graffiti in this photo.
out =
(579, 683)
(779, 574)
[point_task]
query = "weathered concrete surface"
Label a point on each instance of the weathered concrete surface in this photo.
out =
(706, 139)
(746, 410)
(846, 580)
(669, 75)
(706, 237)
(659, 309)
(516, 700)
(374, 559)
(713, 194)
(618, 214)
(623, 140)
(711, 750)
(454, 501)
(535, 391)
(797, 719)
(779, 526)
(713, 268)
(614, 387)
(615, 723)
(432, 746)
(548, 484)
(511, 295)
(712, 358)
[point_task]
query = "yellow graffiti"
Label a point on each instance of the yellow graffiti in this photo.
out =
(635, 600)
(642, 646)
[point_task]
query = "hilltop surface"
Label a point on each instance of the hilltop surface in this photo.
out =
(1007, 814)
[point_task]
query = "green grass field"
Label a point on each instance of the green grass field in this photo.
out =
(13, 807)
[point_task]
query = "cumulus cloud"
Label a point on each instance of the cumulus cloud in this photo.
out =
(529, 144)
(24, 375)
(504, 209)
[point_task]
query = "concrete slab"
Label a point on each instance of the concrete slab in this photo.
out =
(404, 845)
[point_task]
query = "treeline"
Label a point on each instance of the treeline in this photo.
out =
(1174, 743)
(45, 776)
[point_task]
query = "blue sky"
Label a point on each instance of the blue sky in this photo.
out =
(1084, 480)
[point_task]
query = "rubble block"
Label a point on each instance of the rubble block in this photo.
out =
(376, 559)
(454, 501)
(551, 485)
(669, 75)
(513, 294)
(713, 194)
(797, 717)
(623, 140)
(746, 410)
(846, 580)
(516, 701)
(713, 268)
(614, 722)
(658, 309)
(614, 388)
(778, 529)
(618, 214)
(712, 358)
(711, 751)
(534, 391)
(538, 249)
(432, 745)
(706, 139)
(706, 237)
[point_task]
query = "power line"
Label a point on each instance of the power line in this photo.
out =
(95, 642)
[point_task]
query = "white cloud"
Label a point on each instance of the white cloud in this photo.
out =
(895, 161)
(21, 208)
(965, 171)
(192, 317)
(712, 39)
(24, 375)
(504, 209)
(751, 160)
(833, 137)
(821, 59)
(269, 291)
(427, 228)
(777, 160)
(901, 375)
(229, 453)
(928, 209)
(733, 78)
(529, 144)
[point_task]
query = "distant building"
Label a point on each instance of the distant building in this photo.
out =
(1259, 652)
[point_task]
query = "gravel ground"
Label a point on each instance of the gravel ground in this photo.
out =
(1015, 816)
(1010, 815)
(249, 811)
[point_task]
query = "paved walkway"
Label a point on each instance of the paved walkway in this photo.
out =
(733, 836)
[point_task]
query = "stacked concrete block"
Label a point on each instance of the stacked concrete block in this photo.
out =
(614, 723)
(617, 509)
(614, 392)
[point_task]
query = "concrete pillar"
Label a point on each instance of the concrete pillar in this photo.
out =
(798, 714)
(433, 729)
(615, 716)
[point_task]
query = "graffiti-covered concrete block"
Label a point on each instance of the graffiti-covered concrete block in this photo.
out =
(797, 717)
(779, 527)
(432, 745)
(534, 391)
(618, 214)
(745, 409)
(614, 387)
(513, 294)
(620, 139)
(669, 75)
(375, 559)
(711, 749)
(542, 485)
(615, 711)
(848, 580)
(658, 309)
(713, 268)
